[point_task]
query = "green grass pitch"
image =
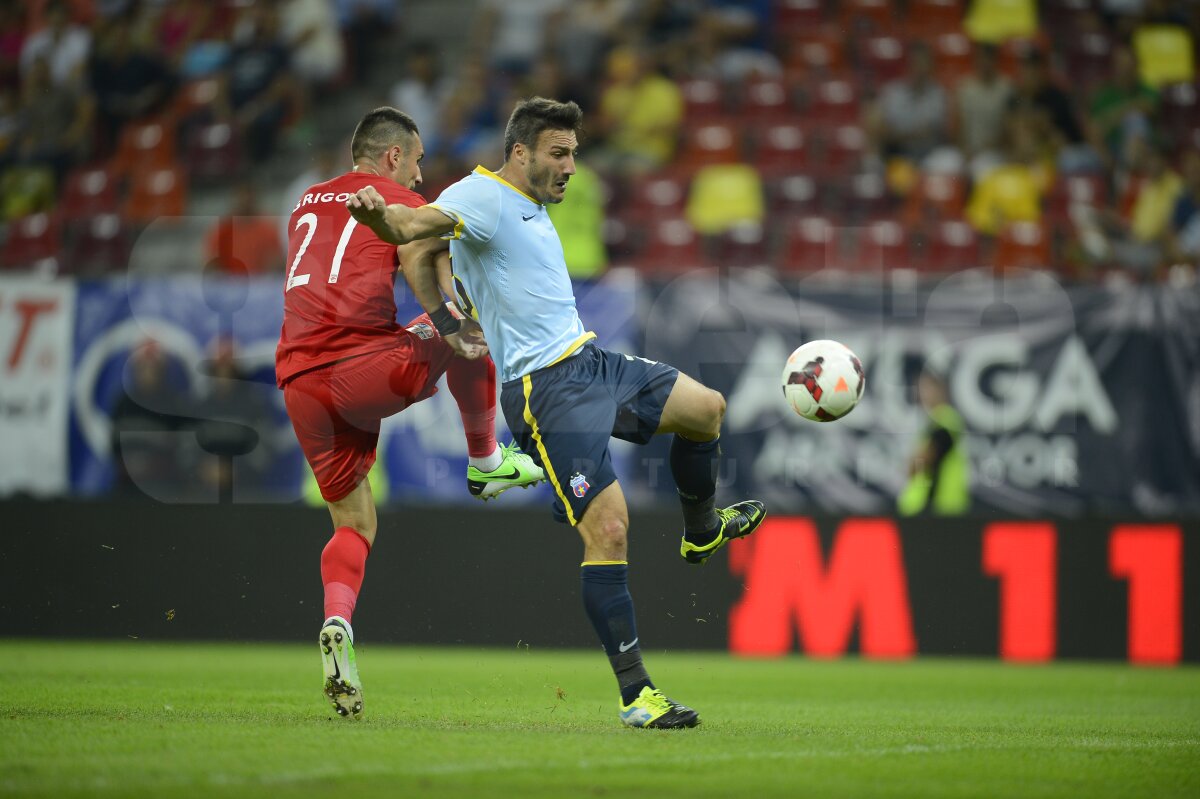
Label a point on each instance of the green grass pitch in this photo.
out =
(215, 720)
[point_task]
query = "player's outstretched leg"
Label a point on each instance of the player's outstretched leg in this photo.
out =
(491, 469)
(342, 685)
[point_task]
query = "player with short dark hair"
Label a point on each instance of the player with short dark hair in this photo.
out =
(563, 396)
(344, 364)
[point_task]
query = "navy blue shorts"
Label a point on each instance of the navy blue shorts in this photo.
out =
(563, 416)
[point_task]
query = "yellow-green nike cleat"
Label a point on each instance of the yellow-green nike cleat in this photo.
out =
(516, 469)
(342, 686)
(652, 709)
(736, 521)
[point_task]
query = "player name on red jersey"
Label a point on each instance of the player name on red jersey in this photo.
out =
(338, 292)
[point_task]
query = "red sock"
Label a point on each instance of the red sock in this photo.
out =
(343, 562)
(473, 384)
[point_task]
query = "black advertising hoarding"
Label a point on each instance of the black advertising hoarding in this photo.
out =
(1021, 589)
(1077, 400)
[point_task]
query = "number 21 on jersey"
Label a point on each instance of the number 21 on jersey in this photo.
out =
(310, 221)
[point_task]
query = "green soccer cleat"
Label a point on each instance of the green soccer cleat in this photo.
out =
(516, 469)
(652, 709)
(736, 521)
(342, 686)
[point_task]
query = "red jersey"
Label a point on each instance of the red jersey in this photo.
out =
(338, 296)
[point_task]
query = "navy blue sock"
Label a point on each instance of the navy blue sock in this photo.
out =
(694, 466)
(610, 607)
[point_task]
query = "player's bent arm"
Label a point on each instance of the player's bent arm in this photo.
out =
(397, 223)
(417, 261)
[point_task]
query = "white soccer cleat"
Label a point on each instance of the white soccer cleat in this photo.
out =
(342, 686)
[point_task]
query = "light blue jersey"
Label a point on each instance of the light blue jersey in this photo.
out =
(510, 273)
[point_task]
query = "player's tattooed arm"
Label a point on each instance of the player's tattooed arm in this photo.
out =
(397, 223)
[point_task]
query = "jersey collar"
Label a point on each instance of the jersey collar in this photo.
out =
(487, 173)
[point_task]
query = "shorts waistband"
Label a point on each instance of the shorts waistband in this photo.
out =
(516, 381)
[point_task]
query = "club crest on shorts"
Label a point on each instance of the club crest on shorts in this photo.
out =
(421, 330)
(579, 484)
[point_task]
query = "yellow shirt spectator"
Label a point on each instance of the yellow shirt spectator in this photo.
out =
(1164, 54)
(579, 220)
(643, 110)
(993, 21)
(1009, 193)
(1152, 209)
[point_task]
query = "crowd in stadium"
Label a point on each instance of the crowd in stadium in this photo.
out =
(932, 135)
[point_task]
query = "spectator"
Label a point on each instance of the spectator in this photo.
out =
(1183, 241)
(587, 30)
(1055, 116)
(10, 125)
(939, 472)
(146, 417)
(1011, 192)
(56, 121)
(1136, 242)
(579, 220)
(256, 92)
(910, 118)
(64, 45)
(515, 32)
(737, 33)
(1121, 110)
(128, 80)
(641, 113)
(310, 31)
(363, 24)
(981, 102)
(423, 93)
(245, 241)
(1164, 45)
(229, 418)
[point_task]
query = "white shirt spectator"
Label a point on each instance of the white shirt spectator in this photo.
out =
(67, 51)
(310, 28)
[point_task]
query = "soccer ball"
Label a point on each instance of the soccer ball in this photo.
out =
(823, 380)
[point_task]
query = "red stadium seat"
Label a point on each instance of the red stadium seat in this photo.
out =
(936, 197)
(156, 193)
(883, 245)
(865, 197)
(744, 245)
(214, 152)
(1089, 58)
(703, 100)
(672, 247)
(810, 245)
(766, 101)
(1179, 109)
(816, 51)
(794, 17)
(951, 246)
(1023, 245)
(780, 148)
(658, 195)
(34, 242)
(148, 145)
(834, 102)
(883, 58)
(711, 143)
(952, 57)
(91, 190)
(794, 195)
(1061, 17)
(102, 244)
(844, 151)
(929, 18)
(1070, 190)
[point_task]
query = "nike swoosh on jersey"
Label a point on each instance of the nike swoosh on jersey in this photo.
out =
(527, 218)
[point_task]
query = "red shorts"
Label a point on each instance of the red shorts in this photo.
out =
(336, 409)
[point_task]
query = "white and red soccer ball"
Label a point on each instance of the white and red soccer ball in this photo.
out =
(823, 380)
